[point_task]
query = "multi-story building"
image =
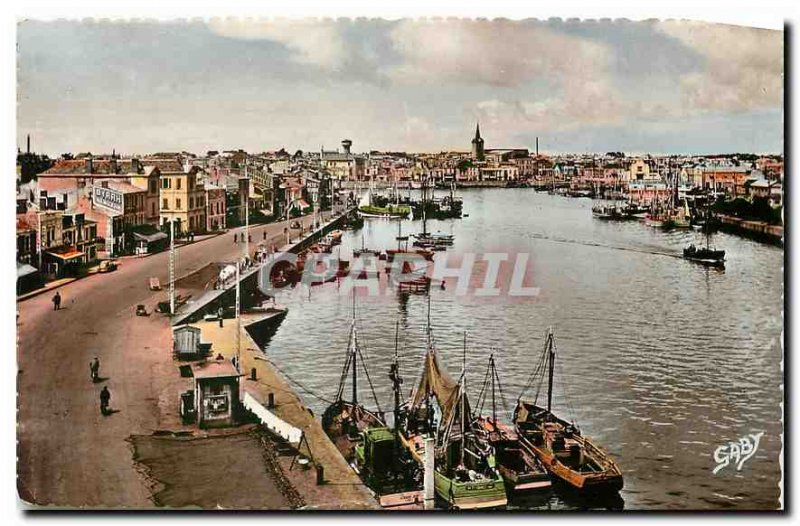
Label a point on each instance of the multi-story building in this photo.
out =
(344, 166)
(27, 250)
(216, 209)
(148, 178)
(182, 196)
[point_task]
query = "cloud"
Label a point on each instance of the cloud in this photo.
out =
(312, 42)
(498, 53)
(743, 71)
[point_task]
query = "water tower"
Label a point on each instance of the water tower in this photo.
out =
(346, 144)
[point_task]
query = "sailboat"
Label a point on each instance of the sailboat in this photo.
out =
(402, 247)
(521, 470)
(344, 420)
(465, 476)
(367, 443)
(425, 239)
(570, 457)
(705, 255)
(367, 209)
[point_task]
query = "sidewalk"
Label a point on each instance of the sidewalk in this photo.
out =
(52, 285)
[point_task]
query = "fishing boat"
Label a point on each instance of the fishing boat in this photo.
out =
(335, 237)
(345, 420)
(521, 470)
(465, 476)
(705, 255)
(367, 209)
(371, 447)
(364, 250)
(402, 247)
(634, 211)
(610, 212)
(569, 456)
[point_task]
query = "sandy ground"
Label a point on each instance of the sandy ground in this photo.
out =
(195, 472)
(343, 489)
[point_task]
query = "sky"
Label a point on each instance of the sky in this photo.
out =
(403, 85)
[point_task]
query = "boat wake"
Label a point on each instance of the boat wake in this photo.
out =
(655, 252)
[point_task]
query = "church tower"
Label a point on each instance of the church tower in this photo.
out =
(477, 144)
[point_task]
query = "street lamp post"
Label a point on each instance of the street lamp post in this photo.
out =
(172, 266)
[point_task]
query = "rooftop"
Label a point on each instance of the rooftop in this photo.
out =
(214, 369)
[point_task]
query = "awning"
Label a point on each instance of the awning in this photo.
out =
(150, 238)
(67, 256)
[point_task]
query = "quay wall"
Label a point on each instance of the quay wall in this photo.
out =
(757, 230)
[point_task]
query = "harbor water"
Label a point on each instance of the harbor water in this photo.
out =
(660, 361)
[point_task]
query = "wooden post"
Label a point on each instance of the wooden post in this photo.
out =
(428, 481)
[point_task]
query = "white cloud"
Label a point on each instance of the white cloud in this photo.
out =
(314, 42)
(744, 66)
(498, 53)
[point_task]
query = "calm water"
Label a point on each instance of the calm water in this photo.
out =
(660, 360)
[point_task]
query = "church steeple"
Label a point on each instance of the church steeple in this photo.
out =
(477, 143)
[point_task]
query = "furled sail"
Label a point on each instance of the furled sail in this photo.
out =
(437, 381)
(366, 199)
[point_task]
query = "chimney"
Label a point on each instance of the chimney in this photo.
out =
(135, 165)
(89, 166)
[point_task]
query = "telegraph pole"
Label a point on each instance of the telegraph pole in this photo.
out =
(172, 266)
(247, 213)
(238, 318)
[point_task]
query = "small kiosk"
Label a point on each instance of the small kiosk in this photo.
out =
(216, 393)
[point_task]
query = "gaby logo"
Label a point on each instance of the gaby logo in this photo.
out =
(737, 452)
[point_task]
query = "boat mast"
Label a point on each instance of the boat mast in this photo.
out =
(394, 376)
(494, 405)
(551, 360)
(464, 398)
(354, 352)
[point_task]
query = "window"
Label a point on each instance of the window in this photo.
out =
(178, 203)
(153, 186)
(191, 202)
(179, 183)
(165, 205)
(152, 209)
(165, 183)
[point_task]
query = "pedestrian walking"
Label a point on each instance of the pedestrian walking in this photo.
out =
(265, 235)
(105, 399)
(235, 237)
(57, 301)
(94, 369)
(249, 238)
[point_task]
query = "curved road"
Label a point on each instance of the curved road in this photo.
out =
(68, 454)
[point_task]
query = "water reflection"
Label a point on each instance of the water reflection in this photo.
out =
(664, 359)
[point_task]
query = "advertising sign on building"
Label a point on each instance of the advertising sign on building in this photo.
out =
(108, 198)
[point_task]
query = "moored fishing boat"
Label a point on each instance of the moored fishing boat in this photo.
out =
(521, 470)
(465, 476)
(345, 420)
(371, 448)
(569, 456)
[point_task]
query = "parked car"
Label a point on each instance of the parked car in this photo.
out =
(294, 224)
(108, 265)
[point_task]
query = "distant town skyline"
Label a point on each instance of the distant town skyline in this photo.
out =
(417, 86)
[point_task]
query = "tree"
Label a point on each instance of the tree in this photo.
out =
(31, 165)
(463, 165)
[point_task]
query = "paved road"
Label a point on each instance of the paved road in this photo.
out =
(70, 455)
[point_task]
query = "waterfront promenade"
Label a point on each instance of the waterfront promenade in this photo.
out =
(68, 454)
